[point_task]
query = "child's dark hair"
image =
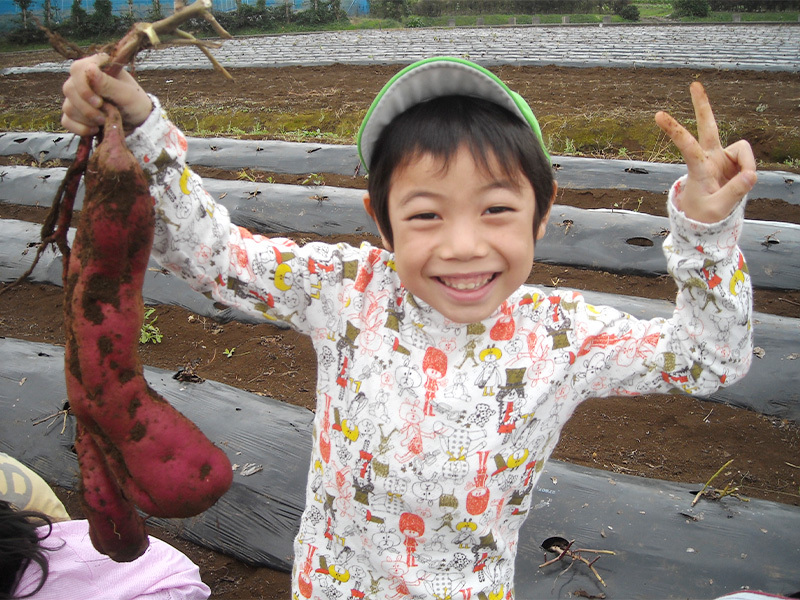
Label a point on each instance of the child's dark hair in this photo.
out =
(19, 545)
(439, 127)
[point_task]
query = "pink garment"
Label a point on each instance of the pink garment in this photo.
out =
(79, 572)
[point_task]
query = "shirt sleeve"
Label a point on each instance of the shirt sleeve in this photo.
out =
(273, 278)
(707, 342)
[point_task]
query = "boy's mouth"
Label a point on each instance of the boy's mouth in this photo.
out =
(467, 283)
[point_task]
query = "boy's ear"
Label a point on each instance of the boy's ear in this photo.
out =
(543, 224)
(368, 208)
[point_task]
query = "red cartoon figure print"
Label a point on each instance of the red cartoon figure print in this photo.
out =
(325, 432)
(434, 365)
(413, 416)
(304, 583)
(412, 527)
(478, 496)
(367, 270)
(504, 327)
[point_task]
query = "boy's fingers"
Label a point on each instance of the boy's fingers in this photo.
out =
(707, 131)
(688, 146)
(741, 155)
(124, 92)
(78, 128)
(84, 76)
(735, 189)
(81, 103)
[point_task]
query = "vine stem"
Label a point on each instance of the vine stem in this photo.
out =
(139, 37)
(713, 477)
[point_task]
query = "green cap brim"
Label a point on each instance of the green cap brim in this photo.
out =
(432, 78)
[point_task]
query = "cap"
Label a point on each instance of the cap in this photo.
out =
(432, 78)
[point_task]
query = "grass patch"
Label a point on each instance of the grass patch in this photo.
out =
(31, 120)
(314, 126)
(759, 17)
(607, 136)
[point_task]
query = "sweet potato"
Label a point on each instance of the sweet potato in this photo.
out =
(159, 459)
(115, 528)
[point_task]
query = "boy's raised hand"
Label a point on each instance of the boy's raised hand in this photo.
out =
(718, 177)
(88, 88)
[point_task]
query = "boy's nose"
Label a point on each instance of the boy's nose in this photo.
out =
(464, 242)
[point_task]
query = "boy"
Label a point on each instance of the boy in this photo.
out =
(443, 383)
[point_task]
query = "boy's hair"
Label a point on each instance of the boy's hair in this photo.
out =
(19, 545)
(440, 127)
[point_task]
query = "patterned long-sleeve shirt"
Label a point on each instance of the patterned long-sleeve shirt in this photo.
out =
(429, 435)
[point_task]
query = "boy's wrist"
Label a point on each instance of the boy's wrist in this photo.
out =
(146, 141)
(688, 234)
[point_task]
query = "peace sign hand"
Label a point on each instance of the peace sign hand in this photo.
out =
(718, 177)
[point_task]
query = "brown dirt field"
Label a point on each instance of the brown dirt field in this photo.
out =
(619, 435)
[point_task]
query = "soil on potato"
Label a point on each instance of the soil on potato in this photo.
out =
(665, 437)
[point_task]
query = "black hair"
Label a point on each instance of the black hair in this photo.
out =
(19, 546)
(439, 127)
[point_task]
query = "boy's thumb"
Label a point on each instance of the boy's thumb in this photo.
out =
(741, 184)
(747, 180)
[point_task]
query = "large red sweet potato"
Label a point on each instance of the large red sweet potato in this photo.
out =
(158, 458)
(116, 529)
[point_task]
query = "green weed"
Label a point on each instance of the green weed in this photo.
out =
(149, 332)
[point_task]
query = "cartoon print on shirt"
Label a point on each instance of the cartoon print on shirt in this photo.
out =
(412, 329)
(408, 379)
(458, 444)
(345, 349)
(478, 496)
(474, 331)
(370, 321)
(443, 579)
(412, 414)
(466, 537)
(434, 365)
(489, 376)
(458, 390)
(412, 527)
(427, 491)
(510, 394)
(392, 501)
(386, 541)
(504, 327)
(559, 323)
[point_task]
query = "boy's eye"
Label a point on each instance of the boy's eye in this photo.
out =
(496, 210)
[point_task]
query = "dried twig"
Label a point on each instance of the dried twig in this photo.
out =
(576, 554)
(63, 413)
(789, 301)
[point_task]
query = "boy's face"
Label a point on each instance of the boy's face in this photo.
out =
(463, 237)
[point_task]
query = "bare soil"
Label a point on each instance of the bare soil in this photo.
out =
(665, 437)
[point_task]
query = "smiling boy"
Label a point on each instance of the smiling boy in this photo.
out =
(443, 382)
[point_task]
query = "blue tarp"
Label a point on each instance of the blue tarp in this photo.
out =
(62, 8)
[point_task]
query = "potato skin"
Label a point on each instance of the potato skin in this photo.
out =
(159, 459)
(116, 529)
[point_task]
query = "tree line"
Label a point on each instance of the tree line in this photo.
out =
(102, 24)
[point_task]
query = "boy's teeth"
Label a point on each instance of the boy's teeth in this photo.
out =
(466, 285)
